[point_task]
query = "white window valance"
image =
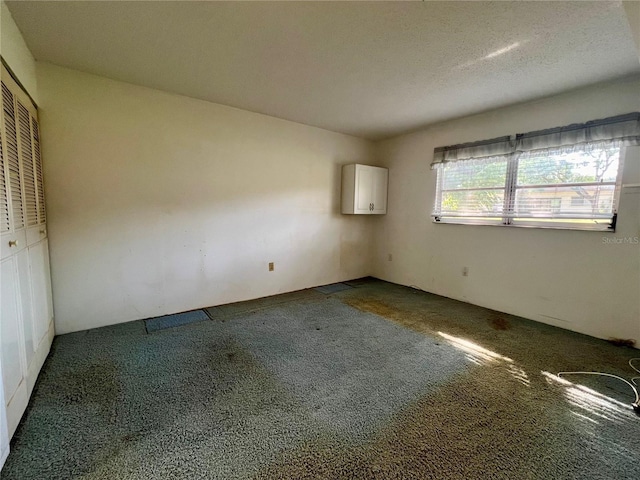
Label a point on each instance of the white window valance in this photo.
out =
(621, 129)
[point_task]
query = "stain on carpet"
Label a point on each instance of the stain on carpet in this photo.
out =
(423, 321)
(95, 384)
(622, 342)
(499, 323)
(373, 305)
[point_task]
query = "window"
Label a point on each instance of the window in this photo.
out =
(538, 179)
(472, 191)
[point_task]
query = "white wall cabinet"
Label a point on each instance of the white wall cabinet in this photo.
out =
(26, 313)
(364, 189)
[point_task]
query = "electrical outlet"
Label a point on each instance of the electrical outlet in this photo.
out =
(390, 258)
(465, 271)
(271, 267)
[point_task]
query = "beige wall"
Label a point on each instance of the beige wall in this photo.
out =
(159, 203)
(15, 52)
(571, 279)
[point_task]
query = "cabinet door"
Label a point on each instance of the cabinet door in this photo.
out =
(379, 196)
(364, 189)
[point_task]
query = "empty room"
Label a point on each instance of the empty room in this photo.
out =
(320, 240)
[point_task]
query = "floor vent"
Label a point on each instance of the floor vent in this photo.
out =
(333, 288)
(176, 320)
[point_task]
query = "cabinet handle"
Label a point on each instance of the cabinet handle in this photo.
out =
(13, 243)
(43, 232)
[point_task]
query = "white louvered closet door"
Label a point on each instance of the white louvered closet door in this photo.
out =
(4, 227)
(26, 314)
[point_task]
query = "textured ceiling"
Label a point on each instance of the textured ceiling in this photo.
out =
(367, 69)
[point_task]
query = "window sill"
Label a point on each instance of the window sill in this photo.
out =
(603, 227)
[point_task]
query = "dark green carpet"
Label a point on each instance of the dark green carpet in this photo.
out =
(378, 381)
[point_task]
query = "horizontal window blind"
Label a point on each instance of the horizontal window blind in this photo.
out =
(570, 185)
(472, 188)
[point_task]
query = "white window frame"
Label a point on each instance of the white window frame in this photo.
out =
(605, 224)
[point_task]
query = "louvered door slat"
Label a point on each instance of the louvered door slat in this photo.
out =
(38, 164)
(4, 200)
(28, 175)
(13, 163)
